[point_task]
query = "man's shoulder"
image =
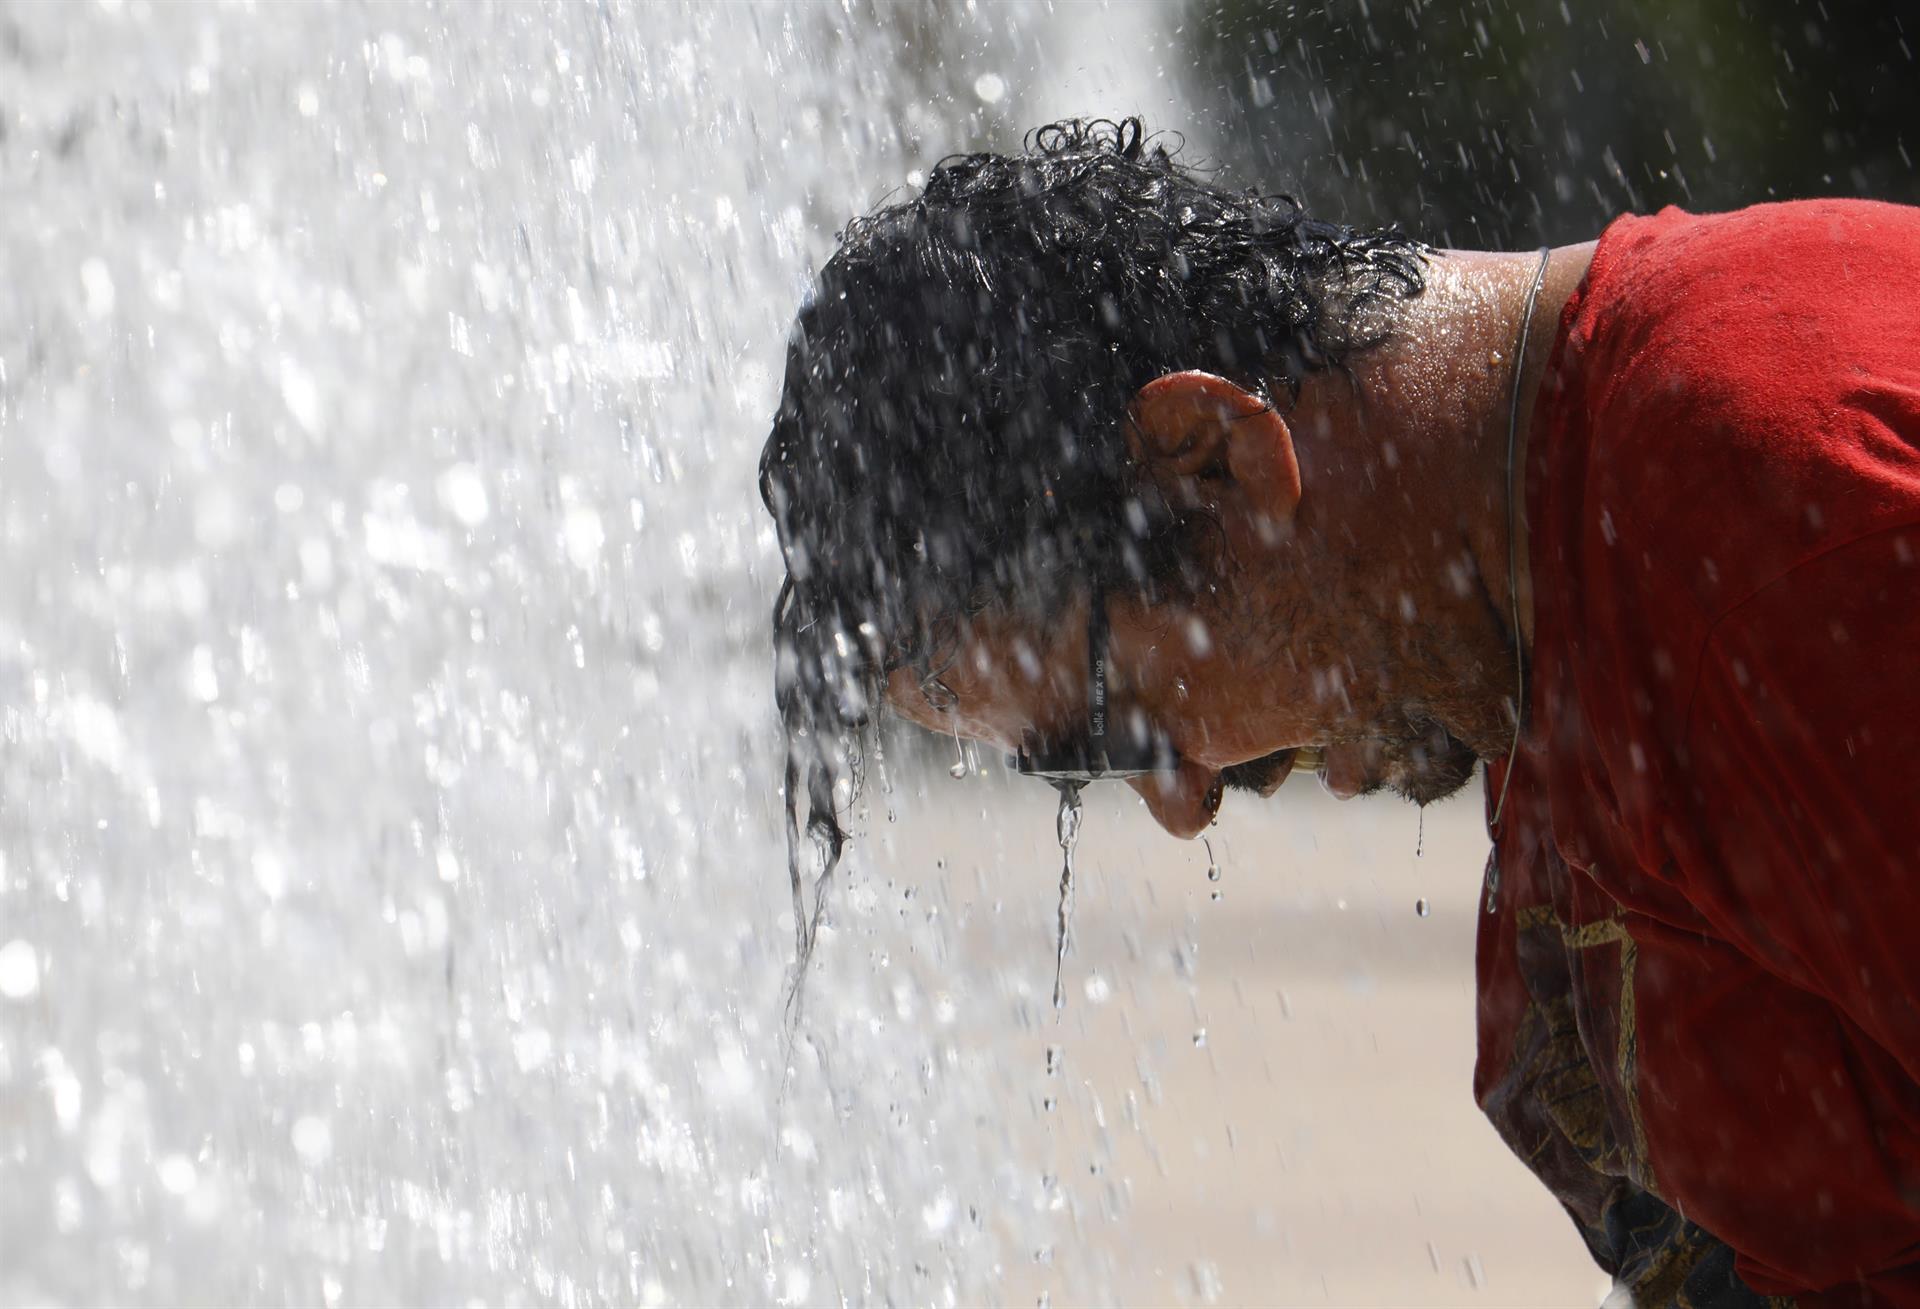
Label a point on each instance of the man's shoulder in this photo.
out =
(1746, 389)
(1735, 315)
(1799, 251)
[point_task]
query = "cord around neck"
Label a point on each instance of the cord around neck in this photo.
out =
(1513, 532)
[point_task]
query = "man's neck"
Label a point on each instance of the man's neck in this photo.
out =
(1406, 460)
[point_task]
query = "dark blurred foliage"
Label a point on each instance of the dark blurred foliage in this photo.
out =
(1508, 123)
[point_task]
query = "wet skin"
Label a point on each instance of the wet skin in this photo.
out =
(1214, 709)
(1390, 648)
(1210, 679)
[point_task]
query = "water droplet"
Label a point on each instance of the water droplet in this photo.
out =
(97, 282)
(1199, 640)
(532, 1048)
(1421, 907)
(19, 970)
(177, 1174)
(958, 771)
(464, 493)
(312, 1140)
(1199, 1038)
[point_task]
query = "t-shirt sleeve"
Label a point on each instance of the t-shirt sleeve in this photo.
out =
(1781, 1071)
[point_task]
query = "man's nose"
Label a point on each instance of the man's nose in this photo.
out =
(1183, 800)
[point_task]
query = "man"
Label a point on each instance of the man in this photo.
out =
(1077, 439)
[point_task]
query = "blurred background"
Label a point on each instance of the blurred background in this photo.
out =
(392, 905)
(1495, 125)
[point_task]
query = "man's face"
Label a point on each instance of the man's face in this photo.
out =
(1307, 638)
(1230, 701)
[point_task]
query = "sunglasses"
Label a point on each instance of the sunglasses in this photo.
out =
(1100, 751)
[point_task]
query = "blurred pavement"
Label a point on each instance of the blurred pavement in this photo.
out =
(1261, 1099)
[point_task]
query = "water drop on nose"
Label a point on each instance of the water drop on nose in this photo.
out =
(1420, 907)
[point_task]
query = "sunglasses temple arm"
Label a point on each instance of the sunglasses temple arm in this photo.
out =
(1097, 631)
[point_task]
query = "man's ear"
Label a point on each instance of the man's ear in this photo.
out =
(1191, 427)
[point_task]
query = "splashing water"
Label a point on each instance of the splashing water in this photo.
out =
(388, 869)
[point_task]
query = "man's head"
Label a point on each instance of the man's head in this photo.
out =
(1051, 373)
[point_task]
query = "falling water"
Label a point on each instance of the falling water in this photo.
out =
(389, 872)
(1067, 827)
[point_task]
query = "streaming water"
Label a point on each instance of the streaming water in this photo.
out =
(1067, 827)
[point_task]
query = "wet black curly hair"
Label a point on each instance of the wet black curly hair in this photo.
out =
(950, 432)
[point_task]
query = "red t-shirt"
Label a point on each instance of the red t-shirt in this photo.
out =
(1700, 982)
